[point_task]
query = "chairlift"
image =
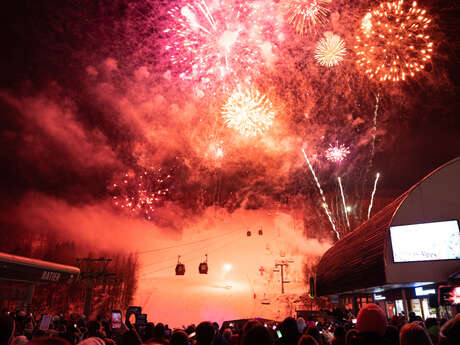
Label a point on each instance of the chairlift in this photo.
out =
(180, 267)
(265, 301)
(248, 234)
(261, 232)
(203, 267)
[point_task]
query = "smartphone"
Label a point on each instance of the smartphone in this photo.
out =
(278, 333)
(116, 319)
(354, 320)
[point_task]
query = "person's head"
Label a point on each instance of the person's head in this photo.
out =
(205, 333)
(94, 328)
(414, 334)
(53, 341)
(301, 325)
(339, 332)
(258, 335)
(451, 330)
(371, 319)
(392, 334)
(179, 337)
(289, 329)
(351, 336)
(307, 340)
(87, 341)
(216, 327)
(148, 331)
(314, 333)
(159, 331)
(130, 338)
(430, 322)
(6, 329)
(227, 334)
(19, 340)
(249, 325)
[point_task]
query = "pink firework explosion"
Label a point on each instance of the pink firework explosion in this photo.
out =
(219, 41)
(337, 153)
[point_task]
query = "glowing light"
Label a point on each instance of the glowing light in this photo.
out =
(305, 15)
(248, 111)
(218, 40)
(326, 208)
(337, 153)
(330, 50)
(141, 193)
(394, 43)
(345, 209)
(227, 267)
(372, 196)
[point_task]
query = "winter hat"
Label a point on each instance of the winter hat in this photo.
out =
(372, 319)
(92, 341)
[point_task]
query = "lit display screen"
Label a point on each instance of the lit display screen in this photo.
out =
(426, 242)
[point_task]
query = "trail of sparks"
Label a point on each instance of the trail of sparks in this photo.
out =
(374, 130)
(326, 208)
(343, 201)
(372, 196)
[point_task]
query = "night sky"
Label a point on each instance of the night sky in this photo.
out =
(89, 93)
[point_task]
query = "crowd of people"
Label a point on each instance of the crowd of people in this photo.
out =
(371, 327)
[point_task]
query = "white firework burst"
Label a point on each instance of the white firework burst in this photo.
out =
(248, 111)
(330, 50)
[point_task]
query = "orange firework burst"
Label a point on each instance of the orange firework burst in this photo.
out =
(394, 43)
(248, 111)
(304, 15)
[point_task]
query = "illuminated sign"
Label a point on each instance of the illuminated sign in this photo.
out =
(419, 291)
(379, 297)
(449, 295)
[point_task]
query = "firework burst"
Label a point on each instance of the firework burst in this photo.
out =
(305, 15)
(248, 111)
(216, 41)
(330, 50)
(141, 193)
(394, 43)
(337, 153)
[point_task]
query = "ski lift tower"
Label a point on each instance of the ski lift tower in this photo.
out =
(282, 264)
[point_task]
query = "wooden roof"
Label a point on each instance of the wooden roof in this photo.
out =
(357, 260)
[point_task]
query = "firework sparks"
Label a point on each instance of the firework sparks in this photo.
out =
(215, 40)
(343, 201)
(141, 193)
(326, 208)
(248, 111)
(394, 43)
(372, 196)
(330, 50)
(305, 15)
(337, 153)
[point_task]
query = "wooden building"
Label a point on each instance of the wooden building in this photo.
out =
(364, 267)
